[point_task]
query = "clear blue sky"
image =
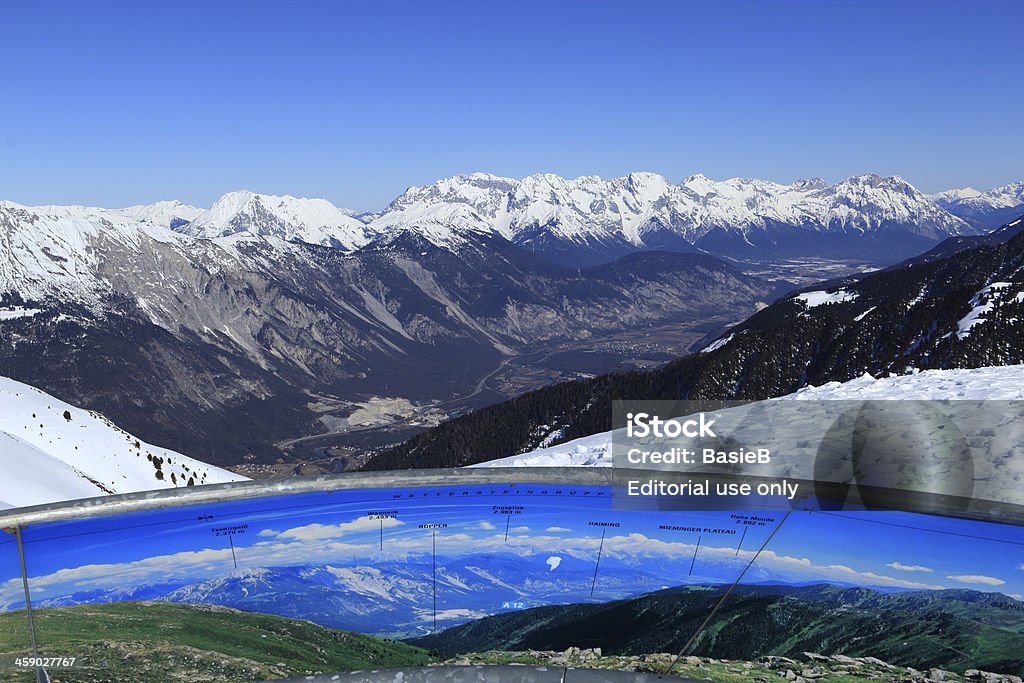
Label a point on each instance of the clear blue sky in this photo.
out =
(115, 103)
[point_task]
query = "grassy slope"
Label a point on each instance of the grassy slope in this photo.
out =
(757, 621)
(155, 641)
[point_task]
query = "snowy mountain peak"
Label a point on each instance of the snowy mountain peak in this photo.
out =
(809, 184)
(232, 202)
(166, 214)
(1014, 190)
(873, 180)
(315, 221)
(954, 195)
(441, 212)
(643, 183)
(472, 189)
(871, 202)
(700, 184)
(991, 208)
(1006, 196)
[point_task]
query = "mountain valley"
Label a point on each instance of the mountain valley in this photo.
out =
(273, 330)
(954, 307)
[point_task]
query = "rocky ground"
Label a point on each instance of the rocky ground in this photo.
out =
(809, 667)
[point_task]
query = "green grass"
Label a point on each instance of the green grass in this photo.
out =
(158, 641)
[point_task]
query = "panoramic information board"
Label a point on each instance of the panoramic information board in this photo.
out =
(512, 566)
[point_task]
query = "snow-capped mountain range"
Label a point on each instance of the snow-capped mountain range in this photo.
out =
(645, 210)
(53, 451)
(179, 337)
(590, 219)
(175, 320)
(990, 208)
(90, 254)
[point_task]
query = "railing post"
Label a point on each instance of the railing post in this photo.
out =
(41, 675)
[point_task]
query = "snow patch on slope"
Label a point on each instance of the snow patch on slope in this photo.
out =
(718, 343)
(1004, 383)
(15, 312)
(590, 451)
(982, 304)
(52, 451)
(820, 298)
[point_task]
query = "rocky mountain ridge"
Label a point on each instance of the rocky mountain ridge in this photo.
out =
(990, 208)
(589, 219)
(222, 346)
(259, 319)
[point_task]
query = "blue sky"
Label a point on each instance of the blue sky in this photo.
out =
(116, 103)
